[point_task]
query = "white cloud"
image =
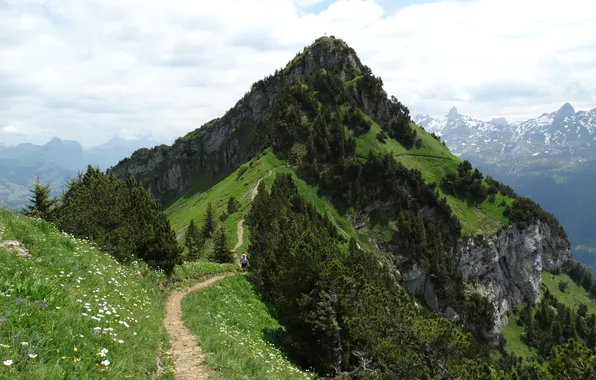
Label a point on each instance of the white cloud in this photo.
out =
(10, 130)
(87, 70)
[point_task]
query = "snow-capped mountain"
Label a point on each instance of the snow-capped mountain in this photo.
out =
(563, 134)
(549, 158)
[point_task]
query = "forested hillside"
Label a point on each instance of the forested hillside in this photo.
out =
(379, 254)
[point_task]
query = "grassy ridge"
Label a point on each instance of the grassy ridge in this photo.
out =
(238, 184)
(235, 329)
(71, 309)
(241, 187)
(434, 161)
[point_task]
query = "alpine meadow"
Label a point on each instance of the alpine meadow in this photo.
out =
(374, 253)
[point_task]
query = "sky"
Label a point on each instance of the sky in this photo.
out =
(87, 70)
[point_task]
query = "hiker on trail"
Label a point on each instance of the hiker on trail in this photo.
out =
(244, 262)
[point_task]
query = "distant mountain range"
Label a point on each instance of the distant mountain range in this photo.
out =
(55, 162)
(549, 158)
(564, 136)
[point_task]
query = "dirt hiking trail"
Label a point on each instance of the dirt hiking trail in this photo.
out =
(239, 234)
(187, 355)
(255, 189)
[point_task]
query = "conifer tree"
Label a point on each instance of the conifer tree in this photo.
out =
(232, 206)
(120, 217)
(192, 241)
(221, 252)
(42, 205)
(209, 225)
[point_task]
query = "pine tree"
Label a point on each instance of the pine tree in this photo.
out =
(192, 241)
(221, 252)
(42, 205)
(209, 226)
(120, 217)
(232, 206)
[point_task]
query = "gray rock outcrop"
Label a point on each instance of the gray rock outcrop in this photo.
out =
(224, 144)
(506, 269)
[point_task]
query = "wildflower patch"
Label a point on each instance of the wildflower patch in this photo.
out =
(72, 309)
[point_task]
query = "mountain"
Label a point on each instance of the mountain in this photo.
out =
(357, 217)
(563, 136)
(115, 149)
(55, 162)
(548, 158)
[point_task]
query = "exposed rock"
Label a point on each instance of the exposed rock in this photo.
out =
(13, 245)
(222, 145)
(450, 314)
(506, 269)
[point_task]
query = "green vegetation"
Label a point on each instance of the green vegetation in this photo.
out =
(208, 227)
(514, 333)
(320, 295)
(69, 308)
(120, 217)
(573, 296)
(238, 333)
(190, 272)
(41, 204)
(193, 242)
(347, 191)
(221, 251)
(237, 185)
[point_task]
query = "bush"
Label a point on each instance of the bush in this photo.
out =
(121, 217)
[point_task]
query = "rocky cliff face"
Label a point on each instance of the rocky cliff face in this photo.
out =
(223, 144)
(506, 269)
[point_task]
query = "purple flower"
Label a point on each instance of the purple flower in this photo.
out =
(16, 335)
(3, 319)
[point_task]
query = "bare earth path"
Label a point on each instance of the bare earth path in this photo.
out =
(255, 189)
(239, 234)
(187, 355)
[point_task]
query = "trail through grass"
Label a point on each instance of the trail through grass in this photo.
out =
(234, 327)
(434, 160)
(187, 355)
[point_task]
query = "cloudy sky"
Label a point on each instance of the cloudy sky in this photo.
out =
(90, 69)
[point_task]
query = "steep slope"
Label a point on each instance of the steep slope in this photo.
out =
(548, 158)
(68, 308)
(393, 187)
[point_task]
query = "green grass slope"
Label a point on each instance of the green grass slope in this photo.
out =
(236, 332)
(572, 297)
(513, 334)
(71, 310)
(241, 185)
(434, 160)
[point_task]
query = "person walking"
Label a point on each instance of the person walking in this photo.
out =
(244, 262)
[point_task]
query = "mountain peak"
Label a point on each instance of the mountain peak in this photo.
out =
(500, 121)
(452, 113)
(566, 110)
